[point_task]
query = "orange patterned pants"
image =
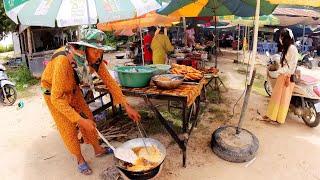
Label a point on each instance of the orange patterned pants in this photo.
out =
(67, 129)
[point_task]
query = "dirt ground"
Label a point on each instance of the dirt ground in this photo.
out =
(30, 146)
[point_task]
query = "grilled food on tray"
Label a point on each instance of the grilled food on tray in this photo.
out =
(188, 72)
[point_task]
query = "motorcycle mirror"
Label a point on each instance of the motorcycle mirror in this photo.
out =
(267, 53)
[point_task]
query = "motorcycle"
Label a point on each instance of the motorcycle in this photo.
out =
(8, 93)
(305, 101)
(306, 57)
(305, 60)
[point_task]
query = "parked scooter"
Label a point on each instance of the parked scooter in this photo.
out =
(305, 60)
(8, 93)
(305, 101)
(306, 57)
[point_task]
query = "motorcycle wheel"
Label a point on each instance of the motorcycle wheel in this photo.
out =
(267, 88)
(11, 95)
(311, 117)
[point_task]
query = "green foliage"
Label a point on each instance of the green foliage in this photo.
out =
(22, 77)
(6, 24)
(111, 39)
(6, 48)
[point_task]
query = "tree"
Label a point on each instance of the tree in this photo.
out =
(6, 24)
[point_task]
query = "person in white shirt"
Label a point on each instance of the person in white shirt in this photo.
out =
(282, 91)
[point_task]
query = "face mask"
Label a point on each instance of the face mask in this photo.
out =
(81, 67)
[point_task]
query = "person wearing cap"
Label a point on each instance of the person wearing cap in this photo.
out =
(282, 91)
(71, 66)
(160, 46)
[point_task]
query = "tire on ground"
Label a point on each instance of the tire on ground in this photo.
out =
(234, 153)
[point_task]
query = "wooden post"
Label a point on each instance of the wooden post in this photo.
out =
(29, 43)
(33, 43)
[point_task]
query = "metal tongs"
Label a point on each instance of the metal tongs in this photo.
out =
(144, 135)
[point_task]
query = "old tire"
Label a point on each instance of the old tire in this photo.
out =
(313, 118)
(11, 94)
(231, 147)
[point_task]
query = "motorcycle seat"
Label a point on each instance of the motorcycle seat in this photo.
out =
(308, 80)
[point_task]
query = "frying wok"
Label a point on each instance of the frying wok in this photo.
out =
(138, 142)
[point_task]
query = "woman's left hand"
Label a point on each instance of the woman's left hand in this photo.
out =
(132, 113)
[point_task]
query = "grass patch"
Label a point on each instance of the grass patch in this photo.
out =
(212, 95)
(216, 113)
(22, 77)
(242, 70)
(258, 85)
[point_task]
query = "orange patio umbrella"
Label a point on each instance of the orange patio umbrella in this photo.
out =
(147, 20)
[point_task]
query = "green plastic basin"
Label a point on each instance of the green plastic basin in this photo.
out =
(134, 76)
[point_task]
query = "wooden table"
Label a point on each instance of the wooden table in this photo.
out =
(190, 107)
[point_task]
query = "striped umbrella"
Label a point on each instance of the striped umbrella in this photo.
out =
(292, 16)
(63, 13)
(194, 8)
(315, 3)
(249, 21)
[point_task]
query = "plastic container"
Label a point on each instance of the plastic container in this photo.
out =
(134, 76)
(160, 68)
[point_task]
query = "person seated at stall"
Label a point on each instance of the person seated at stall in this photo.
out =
(71, 66)
(147, 39)
(160, 46)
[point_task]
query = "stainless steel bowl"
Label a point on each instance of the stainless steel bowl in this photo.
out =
(138, 142)
(176, 81)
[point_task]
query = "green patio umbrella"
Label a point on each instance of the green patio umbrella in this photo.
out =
(195, 8)
(264, 20)
(63, 13)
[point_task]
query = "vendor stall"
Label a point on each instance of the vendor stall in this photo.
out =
(187, 96)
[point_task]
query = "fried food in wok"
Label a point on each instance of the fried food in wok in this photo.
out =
(148, 157)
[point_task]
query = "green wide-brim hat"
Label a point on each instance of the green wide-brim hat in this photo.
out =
(93, 38)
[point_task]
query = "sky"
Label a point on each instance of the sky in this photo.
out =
(7, 40)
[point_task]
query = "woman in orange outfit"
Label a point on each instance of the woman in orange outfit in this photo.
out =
(60, 82)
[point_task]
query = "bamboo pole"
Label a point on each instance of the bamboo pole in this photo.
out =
(142, 52)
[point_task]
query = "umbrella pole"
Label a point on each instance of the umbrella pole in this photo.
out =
(88, 14)
(303, 34)
(185, 30)
(216, 42)
(238, 48)
(142, 53)
(252, 72)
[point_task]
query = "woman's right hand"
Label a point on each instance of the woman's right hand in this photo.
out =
(87, 124)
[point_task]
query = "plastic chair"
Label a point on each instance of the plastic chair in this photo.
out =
(265, 47)
(260, 48)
